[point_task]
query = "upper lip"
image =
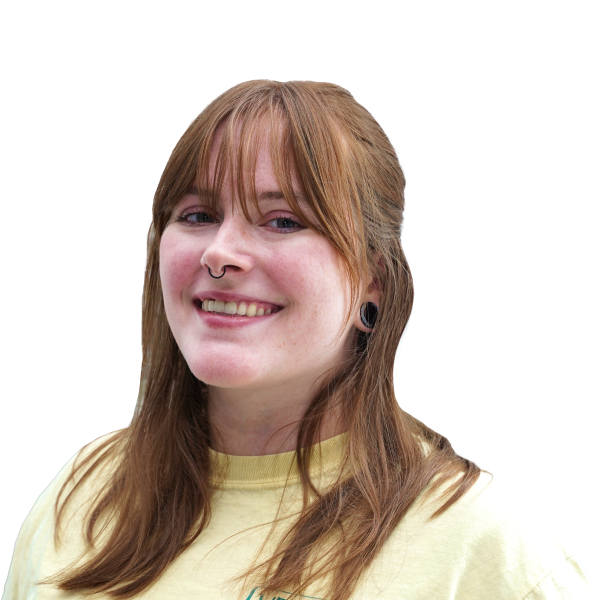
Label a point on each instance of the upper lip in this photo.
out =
(231, 297)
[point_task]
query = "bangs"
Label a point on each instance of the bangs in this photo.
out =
(241, 137)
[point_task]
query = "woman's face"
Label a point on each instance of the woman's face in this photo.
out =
(273, 263)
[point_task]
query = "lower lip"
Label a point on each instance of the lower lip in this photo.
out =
(230, 321)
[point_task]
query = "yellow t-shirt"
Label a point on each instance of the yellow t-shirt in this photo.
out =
(487, 545)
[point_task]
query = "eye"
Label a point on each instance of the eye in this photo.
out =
(284, 219)
(196, 217)
(206, 218)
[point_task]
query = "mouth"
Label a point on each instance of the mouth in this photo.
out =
(254, 313)
(241, 308)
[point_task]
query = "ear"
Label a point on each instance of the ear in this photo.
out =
(374, 291)
(375, 285)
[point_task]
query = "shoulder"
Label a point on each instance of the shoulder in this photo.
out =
(490, 511)
(37, 530)
(64, 479)
(489, 543)
(51, 491)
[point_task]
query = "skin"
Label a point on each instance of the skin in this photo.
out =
(260, 376)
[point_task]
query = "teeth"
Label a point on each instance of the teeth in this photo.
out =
(232, 308)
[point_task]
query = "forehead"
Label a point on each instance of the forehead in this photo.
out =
(264, 195)
(267, 191)
(260, 135)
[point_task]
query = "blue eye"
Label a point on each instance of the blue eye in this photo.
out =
(196, 217)
(284, 218)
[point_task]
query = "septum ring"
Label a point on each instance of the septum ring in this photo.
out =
(215, 277)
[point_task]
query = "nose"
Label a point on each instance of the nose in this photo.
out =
(229, 247)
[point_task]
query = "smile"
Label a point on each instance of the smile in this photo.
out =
(231, 321)
(239, 309)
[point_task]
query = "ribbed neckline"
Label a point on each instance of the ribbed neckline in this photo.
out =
(275, 470)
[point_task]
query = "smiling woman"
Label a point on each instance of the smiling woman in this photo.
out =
(267, 451)
(282, 273)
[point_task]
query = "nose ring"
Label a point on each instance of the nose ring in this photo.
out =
(219, 277)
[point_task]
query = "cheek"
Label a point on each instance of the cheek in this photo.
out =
(178, 264)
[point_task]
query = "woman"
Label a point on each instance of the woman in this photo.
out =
(267, 456)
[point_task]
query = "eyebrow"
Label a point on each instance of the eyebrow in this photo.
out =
(263, 196)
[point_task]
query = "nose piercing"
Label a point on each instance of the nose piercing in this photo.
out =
(219, 277)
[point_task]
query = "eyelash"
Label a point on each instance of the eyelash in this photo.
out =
(184, 218)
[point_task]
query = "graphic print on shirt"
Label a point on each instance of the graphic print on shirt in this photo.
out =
(252, 596)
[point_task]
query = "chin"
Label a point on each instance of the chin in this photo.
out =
(223, 375)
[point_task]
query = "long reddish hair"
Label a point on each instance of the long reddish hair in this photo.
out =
(157, 498)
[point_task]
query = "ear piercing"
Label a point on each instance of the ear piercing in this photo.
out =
(214, 276)
(368, 314)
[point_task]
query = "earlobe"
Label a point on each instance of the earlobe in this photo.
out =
(368, 315)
